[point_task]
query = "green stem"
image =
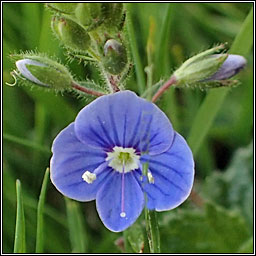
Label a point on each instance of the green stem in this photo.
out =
(151, 223)
(152, 231)
(86, 90)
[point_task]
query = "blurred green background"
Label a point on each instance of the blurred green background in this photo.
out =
(218, 217)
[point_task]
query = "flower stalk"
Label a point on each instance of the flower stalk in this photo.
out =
(152, 231)
(151, 224)
(167, 84)
(86, 90)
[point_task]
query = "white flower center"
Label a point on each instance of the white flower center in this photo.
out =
(123, 159)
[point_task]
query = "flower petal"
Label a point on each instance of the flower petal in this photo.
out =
(71, 158)
(173, 173)
(124, 119)
(109, 202)
(231, 66)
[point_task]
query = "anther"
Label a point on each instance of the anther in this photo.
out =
(89, 177)
(151, 179)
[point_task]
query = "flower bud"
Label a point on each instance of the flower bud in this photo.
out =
(231, 66)
(72, 35)
(115, 57)
(44, 72)
(87, 13)
(199, 69)
(67, 8)
(112, 14)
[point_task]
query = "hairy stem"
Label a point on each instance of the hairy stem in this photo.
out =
(86, 90)
(151, 224)
(166, 85)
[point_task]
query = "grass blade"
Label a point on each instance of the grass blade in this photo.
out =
(162, 54)
(213, 101)
(134, 49)
(26, 143)
(20, 241)
(76, 227)
(40, 213)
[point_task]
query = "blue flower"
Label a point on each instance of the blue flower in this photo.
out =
(101, 156)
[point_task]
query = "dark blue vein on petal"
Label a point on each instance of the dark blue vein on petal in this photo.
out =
(110, 141)
(134, 135)
(158, 188)
(82, 182)
(156, 144)
(117, 142)
(89, 153)
(145, 138)
(147, 130)
(108, 180)
(156, 173)
(90, 167)
(154, 136)
(141, 185)
(100, 139)
(167, 167)
(125, 126)
(72, 158)
(174, 154)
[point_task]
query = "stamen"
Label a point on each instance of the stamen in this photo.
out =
(122, 214)
(89, 177)
(151, 179)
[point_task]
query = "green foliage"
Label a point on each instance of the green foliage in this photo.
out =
(214, 100)
(234, 187)
(20, 239)
(209, 230)
(218, 122)
(71, 34)
(40, 213)
(134, 239)
(77, 234)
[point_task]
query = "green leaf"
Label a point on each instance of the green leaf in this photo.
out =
(228, 225)
(162, 57)
(233, 188)
(20, 241)
(40, 213)
(134, 239)
(134, 50)
(26, 143)
(77, 232)
(211, 229)
(246, 247)
(213, 101)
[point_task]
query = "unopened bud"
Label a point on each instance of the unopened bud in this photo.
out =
(71, 34)
(112, 14)
(88, 13)
(231, 66)
(67, 8)
(209, 66)
(44, 72)
(115, 57)
(199, 69)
